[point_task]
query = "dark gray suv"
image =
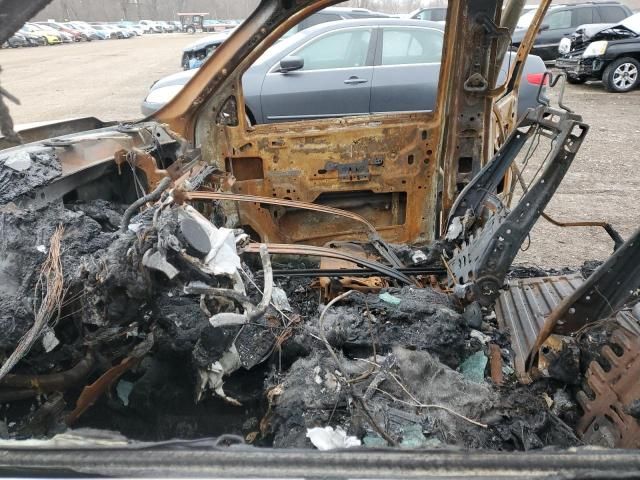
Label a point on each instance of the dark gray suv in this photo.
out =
(562, 20)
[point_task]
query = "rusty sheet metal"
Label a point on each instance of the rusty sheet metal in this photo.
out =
(523, 307)
(305, 161)
(236, 197)
(401, 167)
(331, 287)
(606, 421)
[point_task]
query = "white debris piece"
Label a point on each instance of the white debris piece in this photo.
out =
(329, 439)
(223, 258)
(455, 229)
(19, 162)
(280, 300)
(418, 256)
(481, 337)
(212, 376)
(49, 340)
(41, 248)
(123, 389)
(134, 227)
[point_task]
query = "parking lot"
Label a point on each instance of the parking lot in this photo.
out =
(109, 79)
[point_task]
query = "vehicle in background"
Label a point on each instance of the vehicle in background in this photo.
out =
(120, 32)
(15, 41)
(64, 37)
(215, 26)
(191, 22)
(132, 27)
(107, 32)
(116, 32)
(150, 26)
(610, 53)
(332, 70)
(89, 30)
(76, 35)
(177, 25)
(51, 37)
(33, 39)
(202, 48)
(166, 26)
(435, 14)
(562, 20)
(126, 29)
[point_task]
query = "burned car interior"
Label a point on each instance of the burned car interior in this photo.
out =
(193, 283)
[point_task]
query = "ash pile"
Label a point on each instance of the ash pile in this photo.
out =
(162, 324)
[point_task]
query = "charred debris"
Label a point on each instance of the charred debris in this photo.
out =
(136, 309)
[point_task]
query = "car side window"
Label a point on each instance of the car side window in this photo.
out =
(558, 20)
(611, 13)
(343, 49)
(439, 15)
(401, 46)
(424, 15)
(582, 16)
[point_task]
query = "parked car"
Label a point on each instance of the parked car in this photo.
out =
(202, 48)
(610, 53)
(562, 20)
(331, 70)
(166, 26)
(16, 40)
(132, 26)
(51, 37)
(75, 34)
(33, 39)
(150, 26)
(435, 14)
(89, 30)
(104, 30)
(129, 32)
(64, 37)
(120, 32)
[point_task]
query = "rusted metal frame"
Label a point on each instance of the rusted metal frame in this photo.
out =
(601, 295)
(606, 421)
(292, 154)
(238, 197)
(612, 232)
(522, 308)
(466, 112)
(311, 250)
(515, 75)
(485, 184)
(379, 244)
(353, 272)
(485, 260)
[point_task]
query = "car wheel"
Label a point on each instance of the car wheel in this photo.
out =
(576, 80)
(191, 29)
(622, 75)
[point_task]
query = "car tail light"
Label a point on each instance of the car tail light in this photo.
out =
(537, 79)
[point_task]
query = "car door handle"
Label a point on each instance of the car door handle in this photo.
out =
(355, 80)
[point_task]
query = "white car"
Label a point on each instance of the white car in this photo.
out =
(150, 26)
